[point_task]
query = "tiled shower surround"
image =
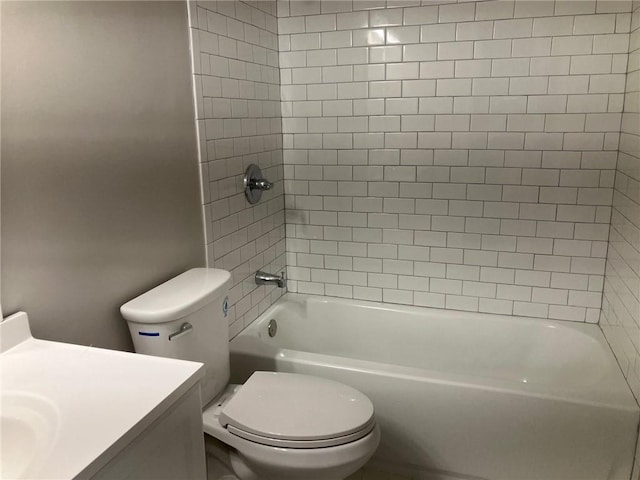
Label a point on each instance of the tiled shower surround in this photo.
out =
(620, 319)
(454, 155)
(457, 155)
(237, 92)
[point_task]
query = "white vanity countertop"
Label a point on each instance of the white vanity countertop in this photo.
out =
(97, 400)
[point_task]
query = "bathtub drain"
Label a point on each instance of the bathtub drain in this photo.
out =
(272, 328)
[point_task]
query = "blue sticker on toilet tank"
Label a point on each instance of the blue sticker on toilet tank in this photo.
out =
(149, 334)
(225, 306)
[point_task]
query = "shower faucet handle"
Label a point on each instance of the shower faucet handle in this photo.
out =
(255, 184)
(260, 184)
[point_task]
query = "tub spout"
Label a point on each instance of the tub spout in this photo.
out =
(264, 278)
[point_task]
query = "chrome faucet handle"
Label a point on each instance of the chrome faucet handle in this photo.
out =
(254, 184)
(260, 184)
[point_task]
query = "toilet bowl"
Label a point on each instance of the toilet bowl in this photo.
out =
(290, 426)
(276, 426)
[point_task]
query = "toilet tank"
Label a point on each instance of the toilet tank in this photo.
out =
(186, 318)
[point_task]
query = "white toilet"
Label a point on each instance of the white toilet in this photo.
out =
(277, 425)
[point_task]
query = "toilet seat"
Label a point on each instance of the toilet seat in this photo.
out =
(297, 411)
(328, 442)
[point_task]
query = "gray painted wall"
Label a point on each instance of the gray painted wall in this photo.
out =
(100, 190)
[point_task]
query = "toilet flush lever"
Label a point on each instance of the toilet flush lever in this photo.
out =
(185, 328)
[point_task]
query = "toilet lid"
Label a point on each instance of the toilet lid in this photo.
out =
(292, 410)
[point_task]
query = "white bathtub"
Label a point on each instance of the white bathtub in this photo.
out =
(461, 395)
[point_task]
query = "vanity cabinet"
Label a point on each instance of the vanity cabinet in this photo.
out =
(171, 448)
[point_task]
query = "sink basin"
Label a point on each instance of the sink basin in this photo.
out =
(50, 393)
(28, 431)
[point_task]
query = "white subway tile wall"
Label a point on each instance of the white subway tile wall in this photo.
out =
(620, 320)
(234, 48)
(455, 155)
